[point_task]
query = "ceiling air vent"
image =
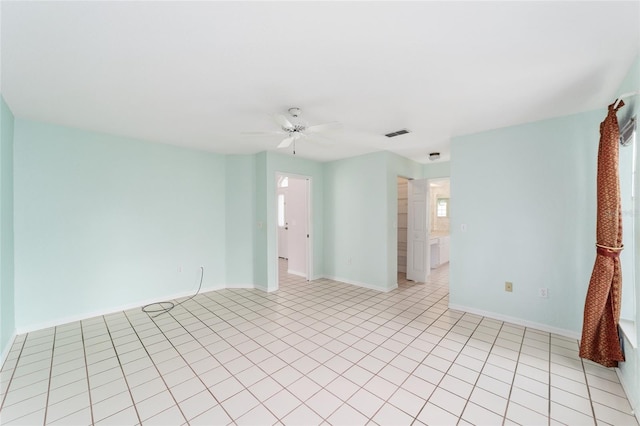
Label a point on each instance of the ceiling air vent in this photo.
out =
(398, 133)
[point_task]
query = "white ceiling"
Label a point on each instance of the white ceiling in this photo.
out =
(198, 74)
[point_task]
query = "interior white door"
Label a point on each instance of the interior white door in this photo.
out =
(418, 231)
(298, 234)
(283, 225)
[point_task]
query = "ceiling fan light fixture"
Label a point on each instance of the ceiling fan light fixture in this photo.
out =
(434, 156)
(295, 112)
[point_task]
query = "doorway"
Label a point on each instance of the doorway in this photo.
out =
(425, 208)
(293, 225)
(402, 228)
(439, 221)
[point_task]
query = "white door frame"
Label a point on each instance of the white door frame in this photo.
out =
(431, 209)
(283, 251)
(309, 220)
(406, 244)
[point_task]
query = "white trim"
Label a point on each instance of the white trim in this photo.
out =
(266, 289)
(625, 388)
(361, 284)
(310, 231)
(125, 307)
(518, 321)
(298, 273)
(7, 349)
(239, 285)
(628, 328)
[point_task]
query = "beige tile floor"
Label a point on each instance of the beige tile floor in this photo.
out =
(319, 352)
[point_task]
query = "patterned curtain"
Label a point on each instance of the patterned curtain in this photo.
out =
(600, 341)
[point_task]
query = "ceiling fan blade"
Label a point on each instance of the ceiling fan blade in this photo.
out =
(322, 127)
(286, 142)
(283, 121)
(275, 132)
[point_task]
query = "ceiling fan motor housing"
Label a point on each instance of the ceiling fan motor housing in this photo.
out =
(297, 128)
(295, 112)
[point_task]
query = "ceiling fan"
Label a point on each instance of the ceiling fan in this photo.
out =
(294, 128)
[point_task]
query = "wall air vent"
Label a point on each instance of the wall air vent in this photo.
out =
(398, 133)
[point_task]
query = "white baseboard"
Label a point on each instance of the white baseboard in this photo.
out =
(266, 289)
(139, 304)
(125, 307)
(238, 285)
(625, 386)
(297, 273)
(7, 349)
(518, 321)
(361, 284)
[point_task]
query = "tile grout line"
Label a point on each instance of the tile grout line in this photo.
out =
(292, 346)
(415, 419)
(222, 364)
(360, 293)
(86, 367)
(513, 379)
(386, 363)
(156, 368)
(124, 374)
(493, 344)
(13, 372)
(344, 402)
(586, 381)
(53, 348)
(338, 319)
(168, 388)
(187, 362)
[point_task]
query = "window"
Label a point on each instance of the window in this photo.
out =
(442, 207)
(628, 194)
(283, 182)
(280, 210)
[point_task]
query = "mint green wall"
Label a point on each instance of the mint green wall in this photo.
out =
(527, 196)
(630, 370)
(356, 218)
(103, 221)
(261, 265)
(240, 218)
(7, 288)
(437, 170)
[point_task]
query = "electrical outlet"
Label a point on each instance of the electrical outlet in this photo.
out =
(543, 292)
(350, 261)
(180, 268)
(508, 286)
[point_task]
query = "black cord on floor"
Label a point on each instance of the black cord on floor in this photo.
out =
(160, 308)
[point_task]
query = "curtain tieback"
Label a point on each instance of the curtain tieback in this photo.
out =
(613, 252)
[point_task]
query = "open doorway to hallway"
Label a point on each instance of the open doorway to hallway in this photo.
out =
(402, 228)
(439, 221)
(423, 241)
(293, 225)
